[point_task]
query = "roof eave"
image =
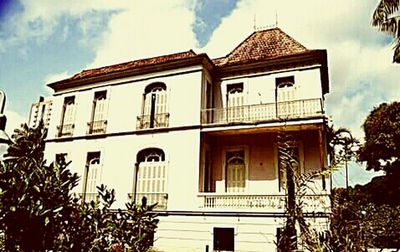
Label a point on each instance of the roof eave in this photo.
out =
(200, 59)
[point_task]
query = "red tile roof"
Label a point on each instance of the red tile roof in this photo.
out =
(262, 45)
(133, 64)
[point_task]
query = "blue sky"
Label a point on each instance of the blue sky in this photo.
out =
(44, 41)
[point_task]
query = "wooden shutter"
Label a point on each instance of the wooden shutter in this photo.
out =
(69, 112)
(93, 176)
(151, 181)
(100, 109)
(236, 172)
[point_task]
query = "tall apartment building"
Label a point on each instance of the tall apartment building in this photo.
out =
(199, 136)
(40, 110)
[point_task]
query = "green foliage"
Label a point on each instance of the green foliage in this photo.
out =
(96, 227)
(365, 223)
(342, 146)
(386, 18)
(382, 139)
(38, 211)
(34, 197)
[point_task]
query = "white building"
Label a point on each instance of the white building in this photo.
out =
(199, 136)
(40, 110)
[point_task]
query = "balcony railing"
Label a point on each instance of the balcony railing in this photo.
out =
(159, 121)
(97, 127)
(65, 130)
(160, 198)
(262, 202)
(264, 112)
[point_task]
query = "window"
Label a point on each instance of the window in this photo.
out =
(286, 94)
(66, 127)
(154, 109)
(151, 177)
(98, 121)
(235, 171)
(224, 239)
(235, 102)
(92, 176)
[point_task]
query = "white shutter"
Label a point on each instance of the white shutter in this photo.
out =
(235, 106)
(93, 176)
(151, 181)
(100, 109)
(147, 104)
(286, 95)
(236, 180)
(69, 113)
(161, 102)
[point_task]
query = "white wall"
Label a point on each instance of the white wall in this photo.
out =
(261, 89)
(125, 102)
(118, 157)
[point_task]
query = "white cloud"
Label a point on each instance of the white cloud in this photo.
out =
(14, 121)
(145, 29)
(38, 21)
(50, 78)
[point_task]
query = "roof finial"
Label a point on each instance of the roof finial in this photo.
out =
(276, 18)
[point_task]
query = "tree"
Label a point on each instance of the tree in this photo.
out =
(341, 148)
(382, 139)
(34, 197)
(386, 20)
(39, 212)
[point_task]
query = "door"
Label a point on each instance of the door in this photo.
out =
(235, 171)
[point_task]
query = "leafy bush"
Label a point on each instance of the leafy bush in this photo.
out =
(39, 212)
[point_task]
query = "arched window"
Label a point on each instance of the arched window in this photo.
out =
(151, 177)
(154, 110)
(151, 155)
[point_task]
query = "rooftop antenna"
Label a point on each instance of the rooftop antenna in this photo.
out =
(254, 22)
(271, 25)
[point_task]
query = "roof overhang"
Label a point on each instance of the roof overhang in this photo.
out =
(200, 59)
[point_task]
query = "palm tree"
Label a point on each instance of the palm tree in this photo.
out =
(387, 19)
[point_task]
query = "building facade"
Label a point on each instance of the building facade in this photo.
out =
(40, 110)
(199, 136)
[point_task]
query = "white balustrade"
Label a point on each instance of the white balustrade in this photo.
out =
(263, 112)
(262, 202)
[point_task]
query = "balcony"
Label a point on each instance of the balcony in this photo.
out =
(97, 127)
(297, 109)
(160, 198)
(213, 201)
(65, 130)
(147, 121)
